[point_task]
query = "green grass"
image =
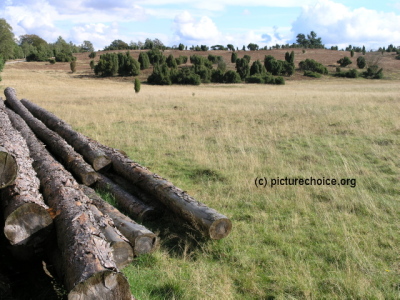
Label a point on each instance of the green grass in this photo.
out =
(287, 242)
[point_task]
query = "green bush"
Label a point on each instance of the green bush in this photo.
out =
(2, 63)
(257, 78)
(144, 61)
(232, 77)
(64, 57)
(234, 57)
(137, 85)
(185, 75)
(242, 67)
(313, 66)
(312, 74)
(373, 72)
(171, 62)
(161, 75)
(92, 55)
(217, 76)
(52, 61)
(345, 61)
(127, 65)
(279, 80)
(156, 56)
(361, 63)
(92, 64)
(353, 73)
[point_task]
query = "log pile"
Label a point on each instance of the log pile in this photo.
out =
(94, 239)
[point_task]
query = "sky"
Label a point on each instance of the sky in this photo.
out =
(209, 22)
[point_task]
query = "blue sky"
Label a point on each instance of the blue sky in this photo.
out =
(210, 22)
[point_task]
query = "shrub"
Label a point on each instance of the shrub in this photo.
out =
(92, 55)
(171, 62)
(279, 80)
(242, 67)
(361, 63)
(156, 56)
(353, 73)
(137, 85)
(373, 72)
(217, 76)
(203, 71)
(186, 76)
(248, 58)
(232, 77)
(64, 56)
(127, 65)
(312, 65)
(257, 68)
(221, 66)
(234, 57)
(352, 53)
(345, 61)
(52, 61)
(161, 75)
(92, 64)
(144, 61)
(2, 62)
(312, 74)
(73, 66)
(257, 78)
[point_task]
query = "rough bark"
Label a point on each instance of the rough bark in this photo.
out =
(130, 204)
(207, 220)
(136, 191)
(142, 240)
(81, 144)
(122, 250)
(8, 166)
(57, 145)
(86, 257)
(27, 221)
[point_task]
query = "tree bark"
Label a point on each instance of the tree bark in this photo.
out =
(57, 145)
(132, 205)
(206, 220)
(81, 144)
(136, 191)
(142, 240)
(8, 167)
(27, 221)
(122, 249)
(86, 257)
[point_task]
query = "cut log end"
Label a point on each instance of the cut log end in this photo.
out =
(8, 168)
(123, 254)
(89, 179)
(28, 224)
(220, 228)
(101, 163)
(145, 244)
(106, 285)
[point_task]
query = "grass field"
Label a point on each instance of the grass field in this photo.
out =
(287, 242)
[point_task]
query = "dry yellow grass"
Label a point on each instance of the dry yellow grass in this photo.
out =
(288, 242)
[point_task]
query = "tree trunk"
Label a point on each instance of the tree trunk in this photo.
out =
(8, 167)
(132, 205)
(206, 220)
(136, 191)
(142, 240)
(122, 249)
(81, 144)
(27, 221)
(86, 258)
(57, 145)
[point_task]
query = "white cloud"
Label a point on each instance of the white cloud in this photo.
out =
(246, 12)
(190, 30)
(339, 25)
(224, 3)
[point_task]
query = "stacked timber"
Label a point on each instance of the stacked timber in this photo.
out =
(94, 239)
(27, 221)
(205, 219)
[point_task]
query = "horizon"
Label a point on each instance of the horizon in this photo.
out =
(266, 23)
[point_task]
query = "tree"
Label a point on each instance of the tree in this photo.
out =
(234, 57)
(171, 62)
(181, 47)
(87, 46)
(252, 47)
(352, 53)
(137, 85)
(230, 47)
(117, 45)
(32, 39)
(7, 43)
(242, 67)
(92, 54)
(144, 61)
(345, 61)
(310, 42)
(361, 62)
(257, 68)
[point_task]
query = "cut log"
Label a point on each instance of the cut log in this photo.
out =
(86, 257)
(122, 250)
(8, 167)
(206, 220)
(81, 144)
(133, 206)
(27, 221)
(142, 240)
(135, 191)
(57, 145)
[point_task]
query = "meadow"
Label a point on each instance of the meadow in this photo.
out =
(287, 242)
